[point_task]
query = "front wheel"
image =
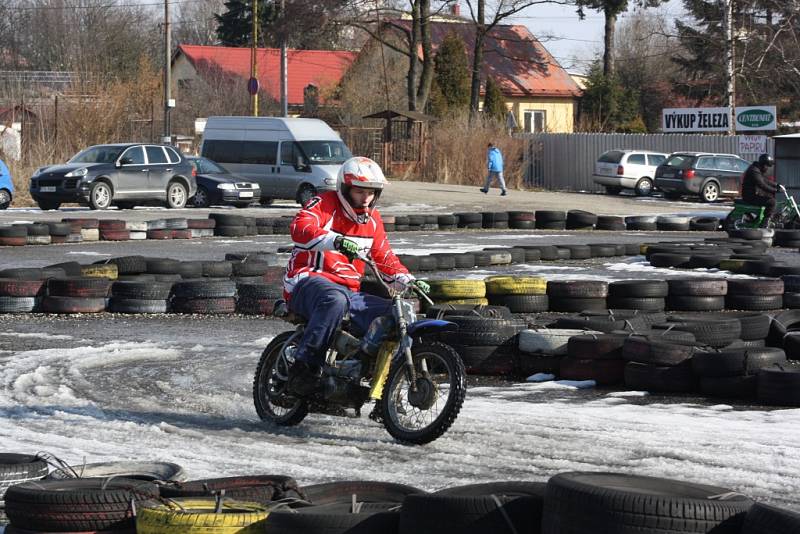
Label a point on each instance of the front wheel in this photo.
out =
(423, 415)
(5, 199)
(201, 199)
(272, 402)
(644, 187)
(100, 196)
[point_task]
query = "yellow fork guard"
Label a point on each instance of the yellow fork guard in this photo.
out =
(382, 365)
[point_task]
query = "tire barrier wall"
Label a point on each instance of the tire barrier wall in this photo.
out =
(77, 230)
(569, 502)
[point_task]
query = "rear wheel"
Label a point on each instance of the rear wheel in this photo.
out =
(423, 415)
(45, 205)
(100, 196)
(177, 195)
(272, 401)
(710, 192)
(644, 187)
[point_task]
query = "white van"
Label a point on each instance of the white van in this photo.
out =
(288, 158)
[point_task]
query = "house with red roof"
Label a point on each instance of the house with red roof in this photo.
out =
(321, 69)
(541, 94)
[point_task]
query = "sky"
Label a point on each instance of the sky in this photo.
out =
(576, 42)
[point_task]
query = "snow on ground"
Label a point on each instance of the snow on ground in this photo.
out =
(187, 399)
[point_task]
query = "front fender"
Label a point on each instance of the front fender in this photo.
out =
(430, 326)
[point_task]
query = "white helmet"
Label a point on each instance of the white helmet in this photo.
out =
(359, 172)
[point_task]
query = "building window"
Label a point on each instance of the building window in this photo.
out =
(535, 120)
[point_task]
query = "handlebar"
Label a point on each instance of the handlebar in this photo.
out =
(367, 260)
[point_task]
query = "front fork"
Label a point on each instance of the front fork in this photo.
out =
(405, 343)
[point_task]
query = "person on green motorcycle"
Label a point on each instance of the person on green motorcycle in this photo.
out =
(757, 189)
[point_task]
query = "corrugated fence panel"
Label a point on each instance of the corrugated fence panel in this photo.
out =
(566, 161)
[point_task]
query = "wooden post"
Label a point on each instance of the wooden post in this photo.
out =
(55, 109)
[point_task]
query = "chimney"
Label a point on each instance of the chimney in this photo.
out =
(455, 10)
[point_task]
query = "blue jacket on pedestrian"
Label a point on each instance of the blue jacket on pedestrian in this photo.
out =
(495, 160)
(5, 178)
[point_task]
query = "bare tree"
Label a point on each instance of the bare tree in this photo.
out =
(496, 13)
(196, 24)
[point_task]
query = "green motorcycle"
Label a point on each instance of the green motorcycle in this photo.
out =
(744, 215)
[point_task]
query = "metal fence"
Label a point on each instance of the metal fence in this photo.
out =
(566, 162)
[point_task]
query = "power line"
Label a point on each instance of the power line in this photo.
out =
(107, 6)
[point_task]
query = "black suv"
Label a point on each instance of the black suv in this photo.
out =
(710, 176)
(121, 174)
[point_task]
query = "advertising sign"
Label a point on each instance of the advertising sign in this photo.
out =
(752, 144)
(748, 118)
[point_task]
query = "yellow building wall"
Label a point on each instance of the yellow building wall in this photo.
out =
(559, 112)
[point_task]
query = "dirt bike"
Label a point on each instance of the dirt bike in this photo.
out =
(743, 215)
(418, 385)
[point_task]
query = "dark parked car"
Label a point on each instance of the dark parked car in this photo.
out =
(710, 176)
(216, 185)
(124, 175)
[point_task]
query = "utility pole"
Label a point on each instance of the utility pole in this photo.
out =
(730, 71)
(284, 67)
(167, 74)
(254, 61)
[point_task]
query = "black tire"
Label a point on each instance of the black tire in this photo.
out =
(704, 224)
(579, 289)
(754, 302)
(18, 304)
(546, 252)
(336, 518)
(550, 216)
(765, 519)
(495, 507)
(88, 504)
(644, 187)
(596, 346)
(230, 231)
(729, 387)
(438, 311)
(490, 360)
(522, 303)
(576, 252)
(673, 379)
(564, 304)
(736, 362)
(270, 383)
(129, 305)
(584, 503)
(100, 196)
(658, 352)
(697, 287)
(177, 195)
(439, 358)
(666, 259)
(637, 303)
(603, 251)
(79, 286)
(690, 303)
(750, 286)
(716, 332)
(212, 305)
(610, 222)
(5, 199)
(19, 468)
(52, 304)
(638, 288)
(341, 492)
(477, 331)
(578, 219)
(779, 386)
(202, 198)
(263, 489)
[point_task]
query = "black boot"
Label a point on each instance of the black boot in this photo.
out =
(304, 379)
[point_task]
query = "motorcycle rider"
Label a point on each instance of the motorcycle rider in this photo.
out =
(757, 189)
(322, 279)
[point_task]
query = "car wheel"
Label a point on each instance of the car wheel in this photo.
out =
(5, 199)
(176, 195)
(305, 193)
(611, 190)
(45, 205)
(100, 196)
(644, 187)
(710, 192)
(266, 201)
(201, 199)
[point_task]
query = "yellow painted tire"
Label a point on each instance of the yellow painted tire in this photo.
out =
(106, 270)
(457, 289)
(516, 285)
(196, 516)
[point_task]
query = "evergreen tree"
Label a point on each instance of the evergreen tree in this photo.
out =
(609, 107)
(235, 25)
(452, 76)
(494, 106)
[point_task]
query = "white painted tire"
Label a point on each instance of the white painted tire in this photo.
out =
(672, 219)
(641, 219)
(548, 341)
(139, 470)
(136, 226)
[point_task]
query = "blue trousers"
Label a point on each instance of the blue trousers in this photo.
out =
(324, 303)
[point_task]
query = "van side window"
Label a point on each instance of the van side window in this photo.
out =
(258, 152)
(223, 151)
(290, 151)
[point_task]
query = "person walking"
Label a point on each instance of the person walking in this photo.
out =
(494, 162)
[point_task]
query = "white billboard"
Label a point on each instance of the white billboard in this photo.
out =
(748, 118)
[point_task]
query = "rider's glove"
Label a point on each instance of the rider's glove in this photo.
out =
(424, 287)
(346, 246)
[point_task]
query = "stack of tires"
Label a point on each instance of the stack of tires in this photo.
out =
(19, 295)
(227, 225)
(644, 295)
(520, 294)
(580, 220)
(137, 229)
(595, 357)
(80, 294)
(645, 223)
(178, 228)
(754, 294)
(157, 230)
(521, 220)
(201, 227)
(577, 295)
(13, 236)
(543, 349)
(550, 220)
(734, 372)
(787, 238)
(37, 234)
(209, 296)
(113, 230)
(132, 296)
(469, 220)
(495, 220)
(486, 340)
(610, 222)
(257, 298)
(696, 294)
(659, 364)
(457, 291)
(18, 469)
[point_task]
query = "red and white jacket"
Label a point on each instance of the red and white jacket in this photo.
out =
(313, 231)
